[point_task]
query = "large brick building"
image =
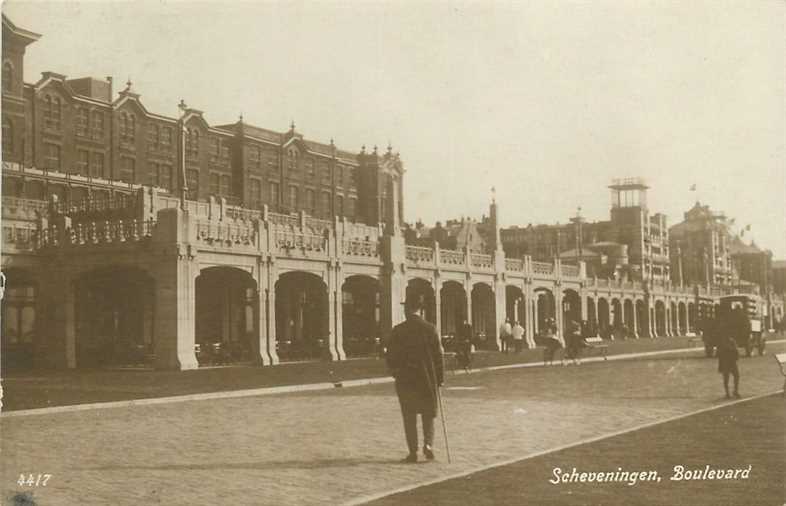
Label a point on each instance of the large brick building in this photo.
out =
(80, 127)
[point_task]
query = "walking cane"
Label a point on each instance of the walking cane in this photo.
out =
(444, 424)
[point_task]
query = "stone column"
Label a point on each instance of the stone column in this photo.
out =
(271, 335)
(340, 353)
(261, 345)
(595, 311)
(529, 320)
(635, 320)
(438, 305)
(499, 308)
(59, 304)
(559, 317)
(175, 291)
(331, 338)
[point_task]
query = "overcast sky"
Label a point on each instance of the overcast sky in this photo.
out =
(547, 101)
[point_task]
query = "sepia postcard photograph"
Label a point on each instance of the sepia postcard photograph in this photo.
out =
(393, 253)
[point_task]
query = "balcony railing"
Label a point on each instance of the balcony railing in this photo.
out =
(452, 257)
(514, 264)
(481, 260)
(360, 248)
(570, 271)
(542, 268)
(419, 254)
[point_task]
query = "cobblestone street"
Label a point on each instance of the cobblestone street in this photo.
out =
(342, 445)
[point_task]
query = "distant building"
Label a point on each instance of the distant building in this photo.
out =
(751, 264)
(700, 247)
(632, 244)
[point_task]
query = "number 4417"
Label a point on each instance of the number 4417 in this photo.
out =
(33, 480)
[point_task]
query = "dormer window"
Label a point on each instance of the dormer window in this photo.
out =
(52, 112)
(192, 142)
(127, 127)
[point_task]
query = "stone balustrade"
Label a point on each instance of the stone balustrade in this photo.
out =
(95, 232)
(481, 260)
(360, 248)
(226, 233)
(419, 254)
(452, 257)
(287, 241)
(571, 271)
(543, 268)
(514, 264)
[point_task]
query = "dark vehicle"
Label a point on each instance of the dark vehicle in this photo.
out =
(738, 316)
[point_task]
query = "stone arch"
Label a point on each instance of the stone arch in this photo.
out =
(642, 318)
(629, 317)
(453, 307)
(571, 306)
(515, 304)
(302, 318)
(360, 313)
(114, 308)
(604, 318)
(617, 317)
(660, 318)
(545, 310)
(226, 315)
(421, 288)
(484, 322)
(20, 321)
(682, 313)
(592, 320)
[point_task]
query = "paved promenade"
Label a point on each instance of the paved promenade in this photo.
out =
(341, 445)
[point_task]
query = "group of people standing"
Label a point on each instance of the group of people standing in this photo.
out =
(511, 335)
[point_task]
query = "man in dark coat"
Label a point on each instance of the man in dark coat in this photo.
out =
(415, 361)
(727, 364)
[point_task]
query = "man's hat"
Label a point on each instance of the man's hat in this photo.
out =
(414, 303)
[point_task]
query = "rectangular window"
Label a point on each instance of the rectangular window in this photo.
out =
(97, 165)
(165, 176)
(153, 173)
(214, 183)
(339, 175)
(350, 176)
(152, 135)
(166, 137)
(311, 202)
(274, 194)
(192, 181)
(293, 198)
(127, 169)
(52, 160)
(309, 163)
(82, 120)
(98, 125)
(340, 206)
(255, 192)
(82, 163)
(226, 185)
(350, 207)
(325, 204)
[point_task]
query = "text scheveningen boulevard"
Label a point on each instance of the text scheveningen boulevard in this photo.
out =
(679, 473)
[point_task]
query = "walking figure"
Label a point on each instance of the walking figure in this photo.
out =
(415, 361)
(727, 364)
(464, 346)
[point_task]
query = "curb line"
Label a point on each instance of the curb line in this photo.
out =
(309, 387)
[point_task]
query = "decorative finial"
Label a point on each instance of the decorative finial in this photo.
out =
(390, 148)
(331, 142)
(182, 105)
(240, 119)
(375, 149)
(128, 84)
(292, 125)
(363, 149)
(493, 195)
